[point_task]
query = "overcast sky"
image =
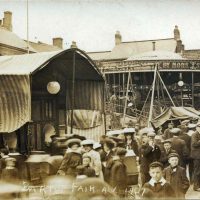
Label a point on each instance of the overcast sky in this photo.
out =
(93, 23)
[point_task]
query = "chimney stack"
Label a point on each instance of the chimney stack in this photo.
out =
(176, 33)
(154, 45)
(58, 42)
(7, 20)
(179, 46)
(118, 38)
(73, 45)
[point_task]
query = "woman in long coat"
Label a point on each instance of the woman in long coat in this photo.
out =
(72, 158)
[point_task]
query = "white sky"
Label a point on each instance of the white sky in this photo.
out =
(93, 23)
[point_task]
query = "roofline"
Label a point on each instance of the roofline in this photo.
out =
(70, 50)
(148, 40)
(191, 50)
(16, 48)
(99, 52)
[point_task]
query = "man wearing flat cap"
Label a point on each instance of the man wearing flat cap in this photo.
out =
(179, 146)
(176, 176)
(195, 154)
(167, 149)
(167, 133)
(118, 177)
(149, 152)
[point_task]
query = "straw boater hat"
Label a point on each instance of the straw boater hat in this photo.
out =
(129, 130)
(97, 145)
(87, 142)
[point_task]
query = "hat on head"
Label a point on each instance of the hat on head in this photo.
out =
(192, 126)
(72, 141)
(96, 145)
(129, 130)
(167, 141)
(114, 132)
(175, 130)
(151, 134)
(173, 155)
(121, 151)
(87, 142)
(156, 164)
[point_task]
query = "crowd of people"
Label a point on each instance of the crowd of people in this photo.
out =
(168, 160)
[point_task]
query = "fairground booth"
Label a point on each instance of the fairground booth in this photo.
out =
(45, 96)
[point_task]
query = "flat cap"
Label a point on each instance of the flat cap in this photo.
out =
(173, 155)
(175, 130)
(156, 164)
(167, 141)
(151, 134)
(87, 142)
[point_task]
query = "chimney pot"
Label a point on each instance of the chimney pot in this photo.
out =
(118, 38)
(7, 20)
(154, 45)
(73, 45)
(176, 33)
(58, 42)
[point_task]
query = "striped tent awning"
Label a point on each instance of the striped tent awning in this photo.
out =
(15, 102)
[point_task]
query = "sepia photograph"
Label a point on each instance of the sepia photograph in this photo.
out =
(99, 99)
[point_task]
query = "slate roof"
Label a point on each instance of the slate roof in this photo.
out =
(11, 39)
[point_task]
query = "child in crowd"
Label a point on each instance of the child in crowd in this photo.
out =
(157, 187)
(85, 168)
(176, 176)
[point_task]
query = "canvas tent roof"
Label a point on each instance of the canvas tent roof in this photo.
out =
(15, 81)
(174, 113)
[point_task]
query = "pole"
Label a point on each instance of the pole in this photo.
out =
(152, 97)
(193, 89)
(73, 93)
(165, 88)
(27, 24)
(129, 74)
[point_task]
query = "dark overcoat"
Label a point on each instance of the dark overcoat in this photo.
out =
(178, 180)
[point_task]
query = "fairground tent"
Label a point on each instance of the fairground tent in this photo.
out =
(175, 113)
(19, 74)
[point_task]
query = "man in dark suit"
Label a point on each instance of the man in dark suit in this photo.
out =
(148, 153)
(167, 149)
(118, 175)
(195, 154)
(180, 147)
(108, 145)
(167, 133)
(176, 176)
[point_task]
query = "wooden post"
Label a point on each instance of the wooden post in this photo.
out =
(125, 106)
(73, 93)
(192, 89)
(165, 88)
(152, 97)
